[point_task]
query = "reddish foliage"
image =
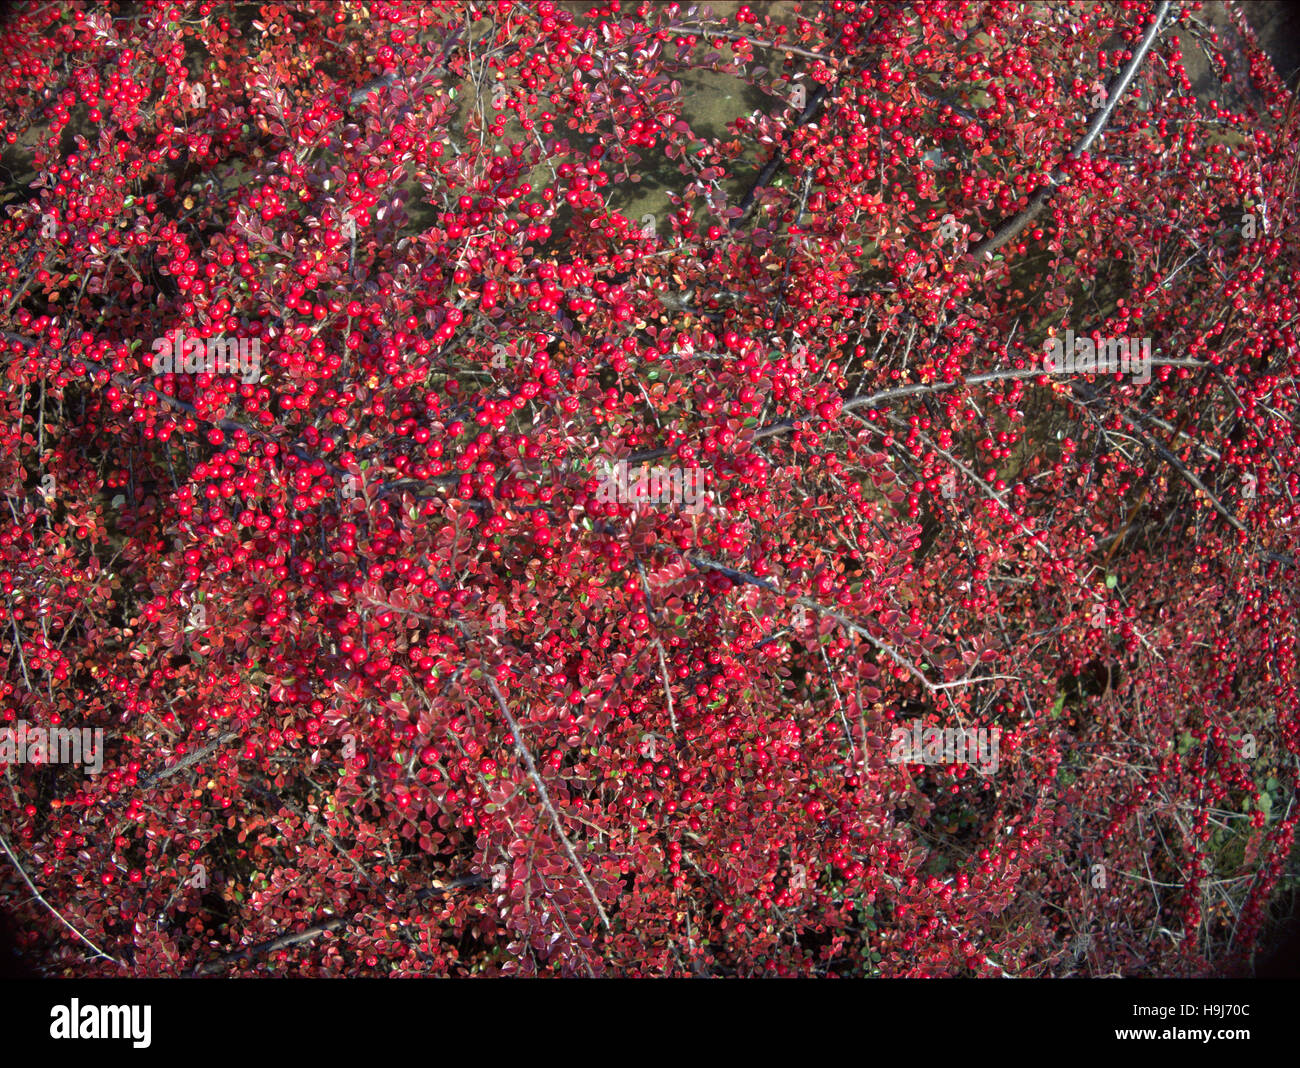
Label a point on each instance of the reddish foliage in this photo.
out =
(404, 510)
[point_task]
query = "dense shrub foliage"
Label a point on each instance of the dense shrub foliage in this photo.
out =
(391, 683)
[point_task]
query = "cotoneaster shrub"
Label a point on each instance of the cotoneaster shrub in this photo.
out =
(388, 686)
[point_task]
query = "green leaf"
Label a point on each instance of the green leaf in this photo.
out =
(1111, 580)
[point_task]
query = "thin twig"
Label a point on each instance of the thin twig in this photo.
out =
(705, 563)
(668, 690)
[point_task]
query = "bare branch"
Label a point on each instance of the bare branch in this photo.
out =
(213, 967)
(37, 894)
(1177, 465)
(189, 761)
(668, 690)
(531, 766)
(1114, 92)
